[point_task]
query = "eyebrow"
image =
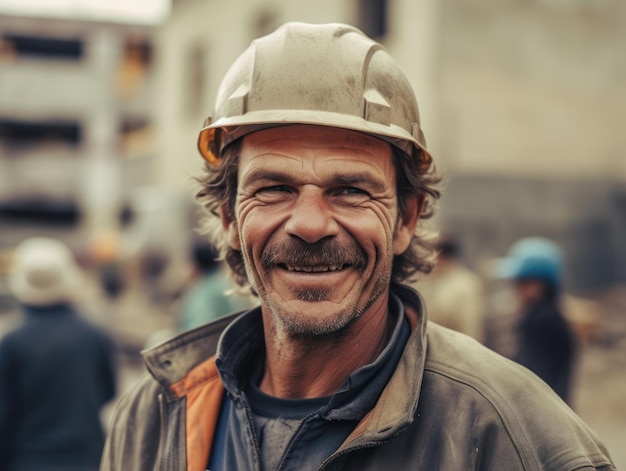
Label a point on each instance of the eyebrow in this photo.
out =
(264, 174)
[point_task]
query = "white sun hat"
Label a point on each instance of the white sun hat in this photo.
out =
(43, 272)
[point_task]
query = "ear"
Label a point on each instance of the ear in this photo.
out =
(230, 229)
(407, 222)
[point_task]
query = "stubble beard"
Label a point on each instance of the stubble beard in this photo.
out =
(306, 323)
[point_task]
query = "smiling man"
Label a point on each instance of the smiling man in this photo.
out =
(317, 184)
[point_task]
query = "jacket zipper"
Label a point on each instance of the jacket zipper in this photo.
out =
(252, 425)
(162, 436)
(292, 439)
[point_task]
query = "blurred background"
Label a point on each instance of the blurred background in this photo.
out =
(523, 104)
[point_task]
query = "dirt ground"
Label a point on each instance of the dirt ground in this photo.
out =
(600, 391)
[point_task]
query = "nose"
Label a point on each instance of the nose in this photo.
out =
(311, 219)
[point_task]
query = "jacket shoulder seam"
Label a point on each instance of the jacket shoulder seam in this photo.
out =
(497, 402)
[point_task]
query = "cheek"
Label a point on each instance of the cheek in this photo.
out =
(373, 229)
(257, 224)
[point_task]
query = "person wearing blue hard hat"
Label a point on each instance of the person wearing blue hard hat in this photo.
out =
(545, 342)
(533, 258)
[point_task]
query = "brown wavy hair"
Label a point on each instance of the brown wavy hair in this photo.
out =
(413, 176)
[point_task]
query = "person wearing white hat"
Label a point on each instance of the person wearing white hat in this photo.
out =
(43, 272)
(57, 371)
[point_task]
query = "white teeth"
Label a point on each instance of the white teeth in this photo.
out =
(315, 269)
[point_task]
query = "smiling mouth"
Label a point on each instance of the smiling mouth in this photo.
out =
(314, 269)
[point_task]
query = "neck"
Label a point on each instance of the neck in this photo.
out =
(307, 367)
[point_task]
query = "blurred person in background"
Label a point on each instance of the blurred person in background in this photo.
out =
(452, 292)
(104, 255)
(57, 371)
(154, 262)
(209, 294)
(544, 339)
(316, 182)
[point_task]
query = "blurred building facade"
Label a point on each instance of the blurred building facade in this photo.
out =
(76, 121)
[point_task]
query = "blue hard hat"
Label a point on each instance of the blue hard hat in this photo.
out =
(532, 258)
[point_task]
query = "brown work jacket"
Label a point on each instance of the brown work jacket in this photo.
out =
(451, 404)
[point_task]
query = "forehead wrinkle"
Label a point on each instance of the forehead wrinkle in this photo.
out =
(352, 160)
(317, 156)
(369, 161)
(350, 155)
(271, 154)
(250, 164)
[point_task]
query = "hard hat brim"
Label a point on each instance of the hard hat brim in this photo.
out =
(216, 136)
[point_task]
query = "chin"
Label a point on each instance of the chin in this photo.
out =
(309, 324)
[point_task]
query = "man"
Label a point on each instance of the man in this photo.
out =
(319, 175)
(56, 370)
(453, 293)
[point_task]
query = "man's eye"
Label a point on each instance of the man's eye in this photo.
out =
(274, 193)
(274, 189)
(352, 191)
(351, 195)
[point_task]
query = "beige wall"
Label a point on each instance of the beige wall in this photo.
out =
(535, 88)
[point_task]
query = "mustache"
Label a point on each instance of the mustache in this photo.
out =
(327, 252)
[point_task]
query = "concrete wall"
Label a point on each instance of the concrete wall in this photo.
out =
(534, 88)
(97, 172)
(586, 217)
(533, 101)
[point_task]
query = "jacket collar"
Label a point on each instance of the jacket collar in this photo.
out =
(397, 405)
(171, 361)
